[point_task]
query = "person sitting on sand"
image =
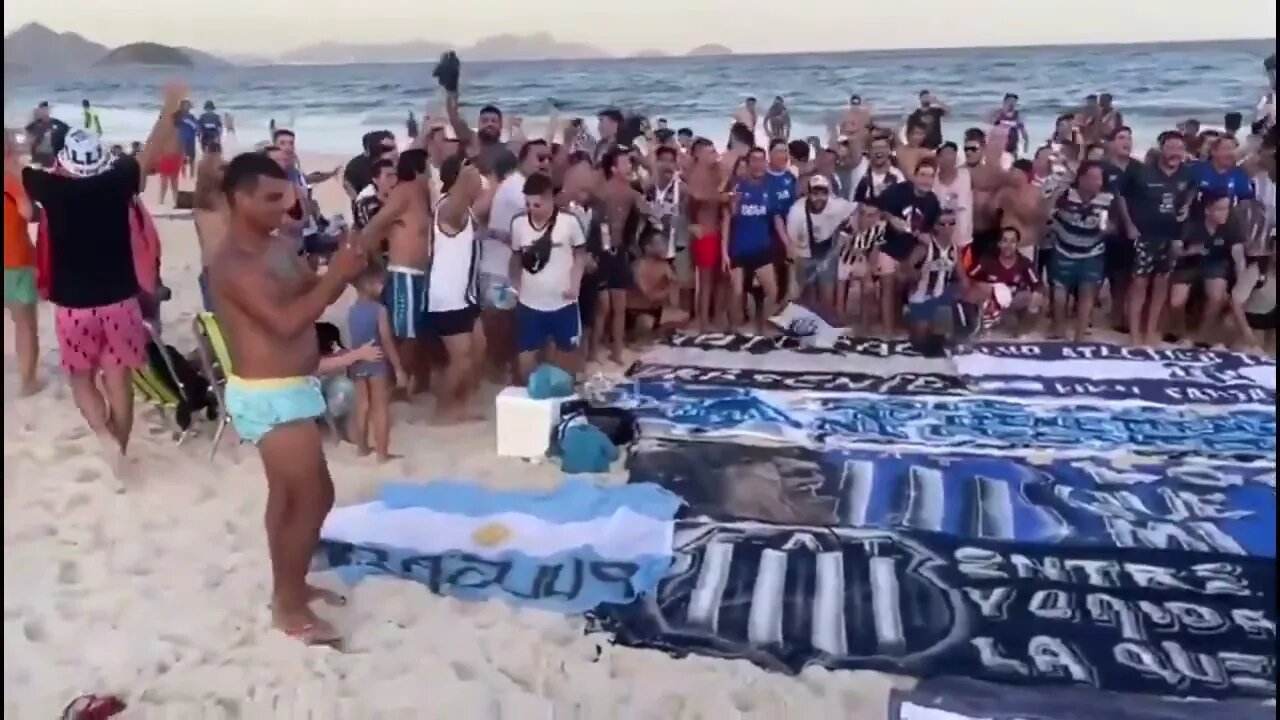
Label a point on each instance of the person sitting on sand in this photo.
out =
(20, 296)
(1014, 271)
(92, 281)
(655, 288)
(268, 301)
(368, 322)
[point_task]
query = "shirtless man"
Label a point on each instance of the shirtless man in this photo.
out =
(453, 304)
(706, 208)
(777, 121)
(909, 155)
(982, 158)
(209, 214)
(857, 117)
(268, 302)
(405, 223)
(1021, 205)
(624, 209)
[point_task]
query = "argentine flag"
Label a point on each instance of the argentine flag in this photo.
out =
(567, 550)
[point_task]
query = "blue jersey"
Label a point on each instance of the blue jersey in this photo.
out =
(782, 191)
(188, 128)
(750, 229)
(1233, 183)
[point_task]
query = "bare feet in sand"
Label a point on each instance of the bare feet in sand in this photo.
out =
(307, 627)
(30, 387)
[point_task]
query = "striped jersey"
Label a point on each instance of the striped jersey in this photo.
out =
(1078, 226)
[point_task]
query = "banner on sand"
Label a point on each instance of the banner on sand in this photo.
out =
(953, 698)
(677, 410)
(1166, 505)
(567, 550)
(1133, 620)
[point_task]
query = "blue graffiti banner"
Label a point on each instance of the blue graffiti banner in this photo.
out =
(1173, 505)
(677, 410)
(924, 604)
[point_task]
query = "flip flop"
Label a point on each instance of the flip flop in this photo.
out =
(93, 707)
(315, 634)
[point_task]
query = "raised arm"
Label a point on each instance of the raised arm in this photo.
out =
(452, 111)
(370, 238)
(164, 130)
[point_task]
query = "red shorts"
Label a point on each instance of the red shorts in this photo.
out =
(104, 337)
(706, 251)
(169, 165)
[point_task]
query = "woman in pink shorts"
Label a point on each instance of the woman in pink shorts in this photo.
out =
(101, 338)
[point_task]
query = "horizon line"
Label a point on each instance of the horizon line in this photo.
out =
(674, 54)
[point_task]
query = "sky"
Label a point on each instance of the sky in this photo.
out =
(268, 27)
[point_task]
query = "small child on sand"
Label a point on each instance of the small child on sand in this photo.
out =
(369, 322)
(268, 301)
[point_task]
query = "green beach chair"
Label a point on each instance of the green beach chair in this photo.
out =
(159, 384)
(215, 362)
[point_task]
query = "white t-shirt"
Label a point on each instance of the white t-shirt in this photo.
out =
(508, 201)
(545, 290)
(824, 223)
(958, 196)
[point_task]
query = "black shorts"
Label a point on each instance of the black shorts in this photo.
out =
(1262, 321)
(751, 263)
(447, 323)
(1119, 256)
(613, 272)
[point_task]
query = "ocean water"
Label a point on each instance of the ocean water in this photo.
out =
(1155, 86)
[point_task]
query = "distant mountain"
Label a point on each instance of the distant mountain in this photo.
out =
(35, 46)
(710, 50)
(146, 53)
(652, 54)
(537, 46)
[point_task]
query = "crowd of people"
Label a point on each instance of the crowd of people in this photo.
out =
(482, 250)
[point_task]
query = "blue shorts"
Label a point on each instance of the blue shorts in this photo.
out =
(535, 327)
(927, 310)
(258, 406)
(1075, 273)
(405, 296)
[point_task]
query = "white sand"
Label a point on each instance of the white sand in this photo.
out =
(159, 593)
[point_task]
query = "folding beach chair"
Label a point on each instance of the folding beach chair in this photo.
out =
(160, 385)
(215, 362)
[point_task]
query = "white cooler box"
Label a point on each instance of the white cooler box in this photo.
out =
(524, 425)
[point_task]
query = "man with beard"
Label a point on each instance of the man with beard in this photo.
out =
(492, 152)
(92, 281)
(405, 223)
(1154, 206)
(814, 225)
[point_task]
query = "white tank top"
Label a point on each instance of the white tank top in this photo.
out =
(454, 267)
(666, 205)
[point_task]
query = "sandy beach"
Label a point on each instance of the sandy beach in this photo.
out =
(159, 593)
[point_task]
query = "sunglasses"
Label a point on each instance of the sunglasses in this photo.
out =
(971, 148)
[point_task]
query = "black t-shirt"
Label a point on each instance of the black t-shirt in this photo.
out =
(1208, 247)
(931, 119)
(1115, 178)
(1155, 198)
(90, 242)
(359, 172)
(45, 136)
(919, 211)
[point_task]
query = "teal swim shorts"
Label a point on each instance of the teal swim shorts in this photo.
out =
(258, 406)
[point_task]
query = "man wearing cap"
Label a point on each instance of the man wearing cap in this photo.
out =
(92, 282)
(814, 226)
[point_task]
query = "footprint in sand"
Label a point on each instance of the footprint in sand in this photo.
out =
(463, 673)
(742, 701)
(33, 630)
(87, 475)
(68, 573)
